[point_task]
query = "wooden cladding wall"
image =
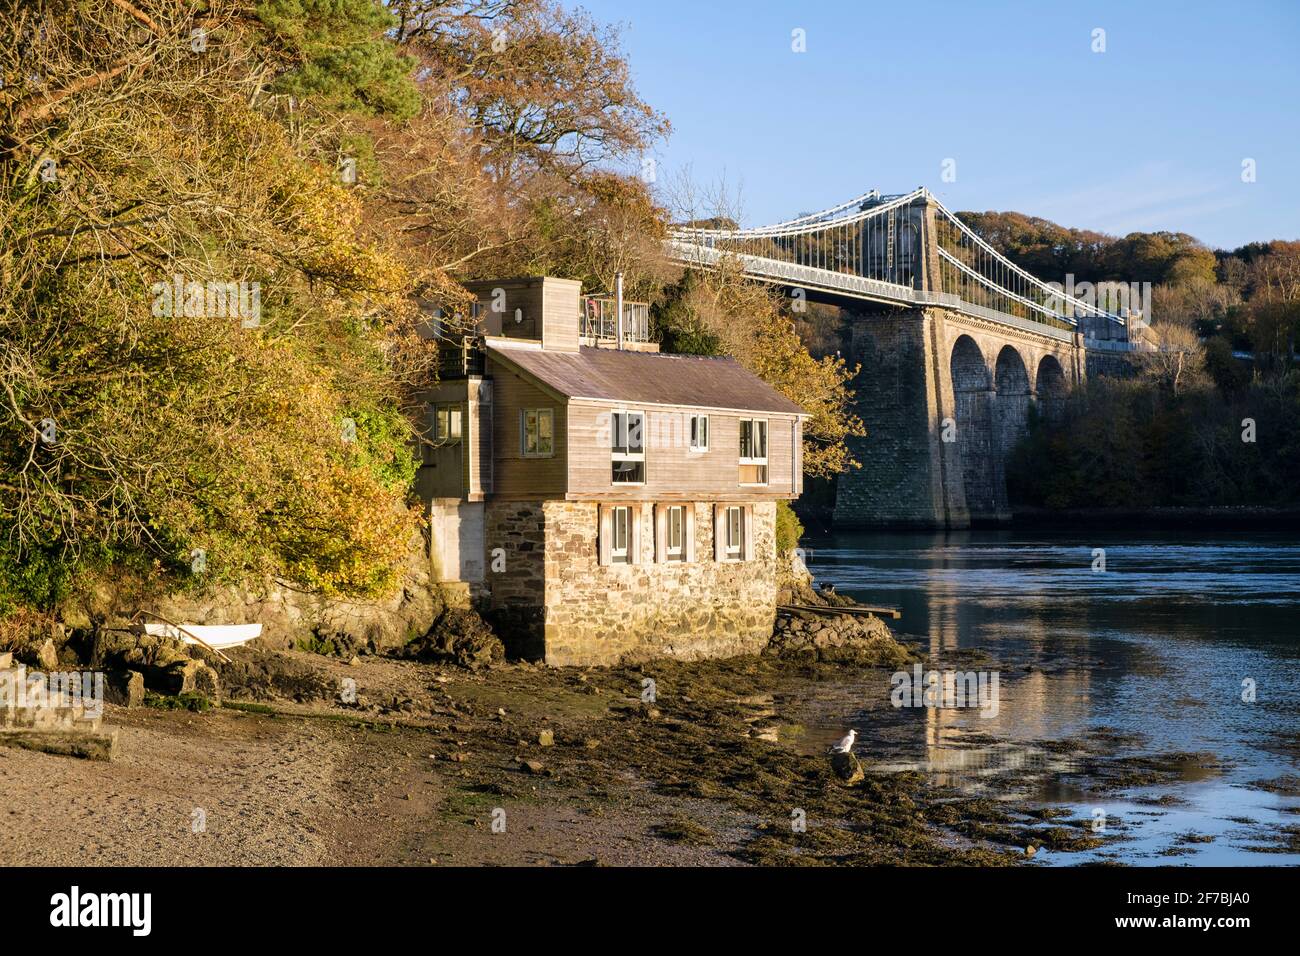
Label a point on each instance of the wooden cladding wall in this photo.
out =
(515, 476)
(542, 309)
(672, 470)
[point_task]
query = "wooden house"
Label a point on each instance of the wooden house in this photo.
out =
(602, 500)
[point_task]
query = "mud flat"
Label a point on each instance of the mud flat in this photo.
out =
(516, 764)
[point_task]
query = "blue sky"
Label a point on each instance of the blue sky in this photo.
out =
(1150, 134)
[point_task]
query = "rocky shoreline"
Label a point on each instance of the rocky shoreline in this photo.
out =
(408, 757)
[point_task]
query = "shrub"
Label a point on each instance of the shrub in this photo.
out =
(789, 529)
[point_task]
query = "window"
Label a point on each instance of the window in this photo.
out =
(753, 451)
(627, 448)
(699, 433)
(537, 432)
(734, 530)
(447, 420)
(620, 534)
(675, 533)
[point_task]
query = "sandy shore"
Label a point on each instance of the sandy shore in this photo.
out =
(440, 766)
(339, 787)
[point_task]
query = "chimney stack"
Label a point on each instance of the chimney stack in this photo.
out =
(618, 305)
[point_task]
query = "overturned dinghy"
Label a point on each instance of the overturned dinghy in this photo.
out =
(211, 635)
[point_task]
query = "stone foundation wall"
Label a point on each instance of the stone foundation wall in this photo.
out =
(516, 584)
(55, 714)
(608, 614)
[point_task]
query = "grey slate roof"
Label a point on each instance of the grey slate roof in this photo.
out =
(649, 378)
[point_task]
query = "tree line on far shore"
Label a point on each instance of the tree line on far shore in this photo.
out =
(1211, 416)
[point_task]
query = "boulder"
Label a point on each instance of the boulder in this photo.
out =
(124, 688)
(122, 650)
(863, 640)
(47, 656)
(255, 673)
(459, 637)
(847, 768)
(192, 677)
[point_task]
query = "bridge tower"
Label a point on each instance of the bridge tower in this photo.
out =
(945, 396)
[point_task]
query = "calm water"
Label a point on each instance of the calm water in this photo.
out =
(1157, 645)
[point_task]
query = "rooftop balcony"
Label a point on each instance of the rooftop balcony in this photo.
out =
(598, 324)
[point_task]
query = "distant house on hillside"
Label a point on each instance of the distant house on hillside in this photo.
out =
(604, 501)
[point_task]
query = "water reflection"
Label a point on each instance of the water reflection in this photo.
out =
(1148, 656)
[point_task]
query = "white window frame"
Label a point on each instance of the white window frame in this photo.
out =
(737, 552)
(523, 432)
(448, 407)
(679, 552)
(616, 455)
(620, 555)
(691, 444)
(754, 460)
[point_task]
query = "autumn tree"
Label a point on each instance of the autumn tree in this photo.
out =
(195, 350)
(722, 312)
(543, 100)
(547, 89)
(1274, 280)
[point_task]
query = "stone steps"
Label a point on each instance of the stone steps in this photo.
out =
(62, 724)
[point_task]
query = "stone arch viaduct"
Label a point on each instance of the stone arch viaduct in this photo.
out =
(945, 397)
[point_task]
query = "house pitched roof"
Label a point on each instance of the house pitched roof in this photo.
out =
(649, 378)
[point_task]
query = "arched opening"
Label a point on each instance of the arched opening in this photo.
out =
(972, 388)
(1011, 380)
(1010, 414)
(1051, 388)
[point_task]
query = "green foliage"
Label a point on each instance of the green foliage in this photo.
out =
(384, 446)
(687, 340)
(340, 56)
(36, 578)
(789, 529)
(1129, 444)
(317, 645)
(679, 327)
(195, 703)
(1229, 375)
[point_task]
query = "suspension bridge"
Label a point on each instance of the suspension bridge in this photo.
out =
(906, 249)
(956, 344)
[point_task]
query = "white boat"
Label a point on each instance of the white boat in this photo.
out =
(214, 635)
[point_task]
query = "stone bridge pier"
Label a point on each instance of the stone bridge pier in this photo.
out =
(945, 396)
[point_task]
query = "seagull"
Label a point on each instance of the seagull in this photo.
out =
(846, 743)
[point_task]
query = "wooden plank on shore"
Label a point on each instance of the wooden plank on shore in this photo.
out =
(831, 609)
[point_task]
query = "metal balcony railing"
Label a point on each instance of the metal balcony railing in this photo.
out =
(598, 320)
(460, 359)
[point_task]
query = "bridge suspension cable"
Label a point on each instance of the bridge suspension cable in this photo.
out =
(875, 247)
